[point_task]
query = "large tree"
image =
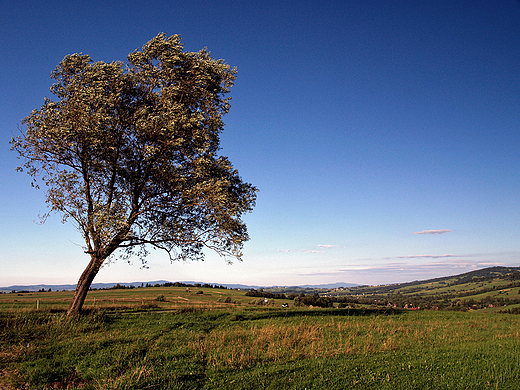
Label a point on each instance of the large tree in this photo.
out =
(128, 152)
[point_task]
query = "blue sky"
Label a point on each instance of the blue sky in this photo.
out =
(383, 135)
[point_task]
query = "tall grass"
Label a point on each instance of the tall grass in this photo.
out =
(324, 337)
(260, 348)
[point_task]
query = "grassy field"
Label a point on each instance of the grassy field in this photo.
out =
(165, 298)
(171, 338)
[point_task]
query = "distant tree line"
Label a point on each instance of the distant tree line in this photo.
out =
(299, 299)
(436, 302)
(267, 294)
(167, 284)
(314, 300)
(514, 310)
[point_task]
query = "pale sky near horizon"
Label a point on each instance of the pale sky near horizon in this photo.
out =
(383, 135)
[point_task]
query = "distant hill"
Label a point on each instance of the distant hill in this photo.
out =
(493, 288)
(416, 286)
(68, 287)
(485, 273)
(490, 272)
(330, 285)
(72, 287)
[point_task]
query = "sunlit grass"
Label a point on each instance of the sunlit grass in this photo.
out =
(124, 299)
(261, 348)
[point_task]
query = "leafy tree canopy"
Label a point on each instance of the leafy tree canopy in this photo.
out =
(129, 153)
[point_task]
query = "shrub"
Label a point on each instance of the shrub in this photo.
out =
(313, 300)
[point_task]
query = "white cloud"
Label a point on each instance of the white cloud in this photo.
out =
(439, 231)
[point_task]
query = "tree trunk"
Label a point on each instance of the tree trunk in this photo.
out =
(84, 285)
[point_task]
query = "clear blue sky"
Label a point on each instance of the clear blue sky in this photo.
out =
(384, 136)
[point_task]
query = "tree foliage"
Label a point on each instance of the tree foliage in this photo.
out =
(313, 300)
(129, 153)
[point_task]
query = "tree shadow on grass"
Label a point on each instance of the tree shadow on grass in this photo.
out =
(317, 312)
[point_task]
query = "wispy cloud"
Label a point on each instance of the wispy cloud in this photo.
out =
(397, 269)
(299, 251)
(396, 272)
(423, 256)
(321, 248)
(439, 231)
(328, 246)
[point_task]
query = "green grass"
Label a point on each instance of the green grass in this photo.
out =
(208, 344)
(175, 298)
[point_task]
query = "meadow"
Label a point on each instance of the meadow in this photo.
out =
(201, 338)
